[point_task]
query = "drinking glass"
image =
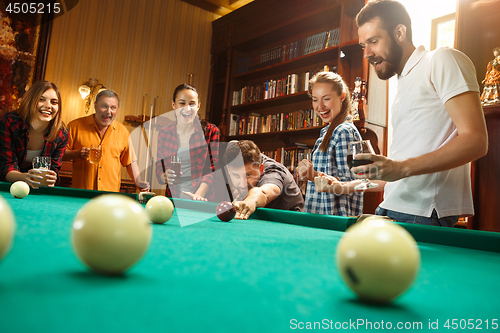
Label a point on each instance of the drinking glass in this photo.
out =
(175, 164)
(95, 154)
(302, 156)
(360, 147)
(42, 163)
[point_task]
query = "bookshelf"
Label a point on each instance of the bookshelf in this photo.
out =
(262, 57)
(477, 34)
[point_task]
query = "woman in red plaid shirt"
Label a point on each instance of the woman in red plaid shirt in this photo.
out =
(195, 142)
(35, 129)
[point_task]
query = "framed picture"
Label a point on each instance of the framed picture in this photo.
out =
(24, 42)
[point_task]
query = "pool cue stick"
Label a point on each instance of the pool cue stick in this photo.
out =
(151, 173)
(151, 147)
(163, 165)
(228, 188)
(148, 142)
(154, 108)
(144, 108)
(164, 170)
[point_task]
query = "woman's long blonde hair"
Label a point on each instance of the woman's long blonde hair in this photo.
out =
(339, 87)
(29, 104)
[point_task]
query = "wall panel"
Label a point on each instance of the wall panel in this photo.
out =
(134, 47)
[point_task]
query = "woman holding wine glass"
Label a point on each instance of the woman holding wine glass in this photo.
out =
(188, 150)
(35, 129)
(331, 101)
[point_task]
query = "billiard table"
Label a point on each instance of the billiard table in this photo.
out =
(272, 273)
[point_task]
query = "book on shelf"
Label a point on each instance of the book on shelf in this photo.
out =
(289, 51)
(294, 84)
(308, 44)
(321, 44)
(254, 123)
(318, 42)
(276, 155)
(280, 152)
(306, 81)
(334, 38)
(294, 154)
(313, 43)
(289, 156)
(291, 84)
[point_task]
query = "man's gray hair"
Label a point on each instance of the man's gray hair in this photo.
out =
(108, 93)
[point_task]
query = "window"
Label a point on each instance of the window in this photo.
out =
(443, 31)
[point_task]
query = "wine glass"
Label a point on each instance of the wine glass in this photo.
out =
(360, 147)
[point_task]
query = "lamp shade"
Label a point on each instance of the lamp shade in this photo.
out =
(84, 91)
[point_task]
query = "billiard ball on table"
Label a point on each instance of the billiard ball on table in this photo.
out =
(19, 189)
(7, 227)
(377, 259)
(225, 211)
(159, 209)
(111, 233)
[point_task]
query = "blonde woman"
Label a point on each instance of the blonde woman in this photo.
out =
(35, 129)
(331, 101)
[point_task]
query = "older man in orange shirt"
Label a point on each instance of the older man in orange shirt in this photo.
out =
(100, 129)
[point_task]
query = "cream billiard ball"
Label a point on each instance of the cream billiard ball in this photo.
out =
(377, 259)
(111, 233)
(19, 189)
(159, 209)
(7, 228)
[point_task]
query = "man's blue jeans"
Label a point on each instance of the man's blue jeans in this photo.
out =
(447, 221)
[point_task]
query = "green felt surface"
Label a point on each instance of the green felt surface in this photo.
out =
(243, 276)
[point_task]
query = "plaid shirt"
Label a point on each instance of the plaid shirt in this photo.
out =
(203, 150)
(334, 163)
(14, 134)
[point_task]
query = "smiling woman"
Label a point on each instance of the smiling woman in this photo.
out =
(188, 150)
(35, 129)
(331, 101)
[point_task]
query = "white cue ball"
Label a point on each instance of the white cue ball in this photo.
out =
(19, 189)
(378, 259)
(7, 227)
(159, 209)
(111, 233)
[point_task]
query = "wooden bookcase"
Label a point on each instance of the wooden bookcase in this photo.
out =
(265, 25)
(477, 33)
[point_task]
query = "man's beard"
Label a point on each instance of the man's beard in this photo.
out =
(239, 193)
(392, 61)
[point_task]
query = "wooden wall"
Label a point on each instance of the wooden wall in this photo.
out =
(134, 47)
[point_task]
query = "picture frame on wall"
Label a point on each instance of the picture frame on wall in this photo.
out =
(24, 44)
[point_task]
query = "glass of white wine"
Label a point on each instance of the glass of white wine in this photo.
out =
(360, 147)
